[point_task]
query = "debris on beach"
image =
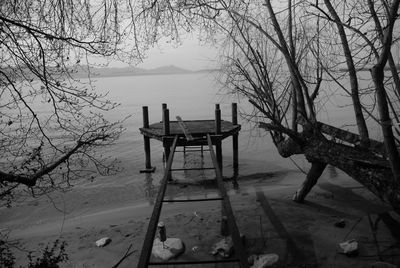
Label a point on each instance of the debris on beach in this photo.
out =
(102, 242)
(340, 223)
(170, 248)
(224, 247)
(350, 247)
(264, 260)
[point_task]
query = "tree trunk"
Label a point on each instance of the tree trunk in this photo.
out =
(362, 126)
(386, 123)
(367, 168)
(312, 177)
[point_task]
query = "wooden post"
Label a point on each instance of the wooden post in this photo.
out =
(218, 146)
(235, 142)
(166, 122)
(147, 150)
(166, 128)
(164, 106)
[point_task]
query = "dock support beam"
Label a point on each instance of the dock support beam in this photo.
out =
(149, 168)
(166, 127)
(218, 145)
(235, 142)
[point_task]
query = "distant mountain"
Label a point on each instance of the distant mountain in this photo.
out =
(170, 69)
(83, 71)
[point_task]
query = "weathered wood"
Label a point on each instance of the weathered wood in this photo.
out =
(147, 150)
(166, 132)
(163, 107)
(237, 241)
(377, 178)
(218, 146)
(166, 125)
(198, 129)
(184, 128)
(152, 227)
(196, 142)
(347, 136)
(235, 142)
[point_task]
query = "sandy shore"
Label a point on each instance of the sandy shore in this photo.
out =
(303, 235)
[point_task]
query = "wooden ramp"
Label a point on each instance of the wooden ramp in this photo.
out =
(239, 257)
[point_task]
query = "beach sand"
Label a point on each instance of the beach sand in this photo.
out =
(303, 235)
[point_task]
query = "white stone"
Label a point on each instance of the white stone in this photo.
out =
(265, 260)
(349, 247)
(102, 242)
(224, 247)
(171, 248)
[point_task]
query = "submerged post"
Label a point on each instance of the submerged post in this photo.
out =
(147, 150)
(218, 146)
(235, 142)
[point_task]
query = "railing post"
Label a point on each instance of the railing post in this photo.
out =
(166, 142)
(218, 145)
(235, 142)
(147, 150)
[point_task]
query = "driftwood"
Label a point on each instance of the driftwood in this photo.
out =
(368, 166)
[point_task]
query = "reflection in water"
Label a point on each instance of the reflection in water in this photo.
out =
(187, 184)
(149, 188)
(194, 158)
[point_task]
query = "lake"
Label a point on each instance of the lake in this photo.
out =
(193, 96)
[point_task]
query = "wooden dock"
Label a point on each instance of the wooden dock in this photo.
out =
(208, 133)
(198, 129)
(191, 133)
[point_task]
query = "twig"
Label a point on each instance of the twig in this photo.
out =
(126, 255)
(352, 228)
(294, 162)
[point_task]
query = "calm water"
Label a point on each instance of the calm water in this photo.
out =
(194, 97)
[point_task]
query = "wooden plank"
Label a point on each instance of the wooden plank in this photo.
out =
(197, 128)
(152, 227)
(237, 241)
(184, 128)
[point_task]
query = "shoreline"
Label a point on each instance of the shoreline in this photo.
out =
(309, 225)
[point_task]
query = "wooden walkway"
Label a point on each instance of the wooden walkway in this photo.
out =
(208, 133)
(239, 250)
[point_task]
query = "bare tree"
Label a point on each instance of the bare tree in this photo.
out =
(51, 123)
(285, 58)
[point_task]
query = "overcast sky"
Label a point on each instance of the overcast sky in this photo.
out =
(190, 55)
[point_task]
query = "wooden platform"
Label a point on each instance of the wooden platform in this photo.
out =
(191, 133)
(198, 129)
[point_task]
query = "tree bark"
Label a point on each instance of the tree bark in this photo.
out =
(362, 126)
(378, 75)
(364, 166)
(386, 123)
(312, 177)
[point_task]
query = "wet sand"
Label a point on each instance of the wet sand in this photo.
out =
(303, 235)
